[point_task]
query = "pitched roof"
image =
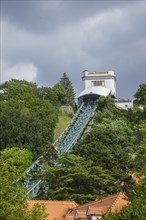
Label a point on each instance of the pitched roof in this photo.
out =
(111, 203)
(121, 200)
(55, 209)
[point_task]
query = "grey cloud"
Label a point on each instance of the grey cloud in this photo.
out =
(43, 16)
(74, 35)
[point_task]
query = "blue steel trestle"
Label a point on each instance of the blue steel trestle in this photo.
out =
(63, 144)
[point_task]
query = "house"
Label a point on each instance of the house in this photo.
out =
(98, 209)
(69, 210)
(56, 210)
(124, 103)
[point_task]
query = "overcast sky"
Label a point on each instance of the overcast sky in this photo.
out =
(40, 40)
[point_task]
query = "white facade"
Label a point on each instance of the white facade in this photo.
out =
(124, 104)
(104, 79)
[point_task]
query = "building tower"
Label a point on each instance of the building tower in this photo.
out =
(104, 79)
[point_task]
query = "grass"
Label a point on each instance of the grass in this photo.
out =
(63, 121)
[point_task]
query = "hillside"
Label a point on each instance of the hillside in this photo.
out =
(98, 165)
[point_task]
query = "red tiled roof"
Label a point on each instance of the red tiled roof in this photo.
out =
(111, 203)
(121, 200)
(55, 209)
(70, 216)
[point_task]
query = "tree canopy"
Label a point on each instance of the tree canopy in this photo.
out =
(73, 178)
(137, 208)
(13, 205)
(140, 95)
(26, 120)
(67, 84)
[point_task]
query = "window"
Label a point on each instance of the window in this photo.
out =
(98, 83)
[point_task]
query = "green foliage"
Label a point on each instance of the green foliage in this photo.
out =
(61, 94)
(63, 121)
(135, 211)
(13, 205)
(66, 83)
(137, 208)
(105, 153)
(110, 144)
(101, 160)
(26, 120)
(140, 159)
(136, 117)
(18, 89)
(73, 178)
(105, 103)
(27, 116)
(106, 108)
(114, 139)
(37, 213)
(16, 159)
(140, 95)
(47, 93)
(27, 125)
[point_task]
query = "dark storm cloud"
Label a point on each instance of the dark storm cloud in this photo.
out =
(43, 16)
(48, 38)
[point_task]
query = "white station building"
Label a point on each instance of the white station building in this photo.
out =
(101, 84)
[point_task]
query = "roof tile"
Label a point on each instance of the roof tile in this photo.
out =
(55, 209)
(111, 203)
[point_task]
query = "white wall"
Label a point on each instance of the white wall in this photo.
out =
(125, 104)
(109, 79)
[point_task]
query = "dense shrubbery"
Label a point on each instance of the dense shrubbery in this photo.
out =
(13, 205)
(28, 113)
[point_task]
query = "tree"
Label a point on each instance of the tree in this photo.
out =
(140, 160)
(47, 93)
(140, 95)
(136, 210)
(18, 90)
(110, 145)
(61, 94)
(73, 178)
(27, 124)
(106, 108)
(66, 83)
(13, 205)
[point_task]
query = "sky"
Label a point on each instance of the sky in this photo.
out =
(40, 40)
